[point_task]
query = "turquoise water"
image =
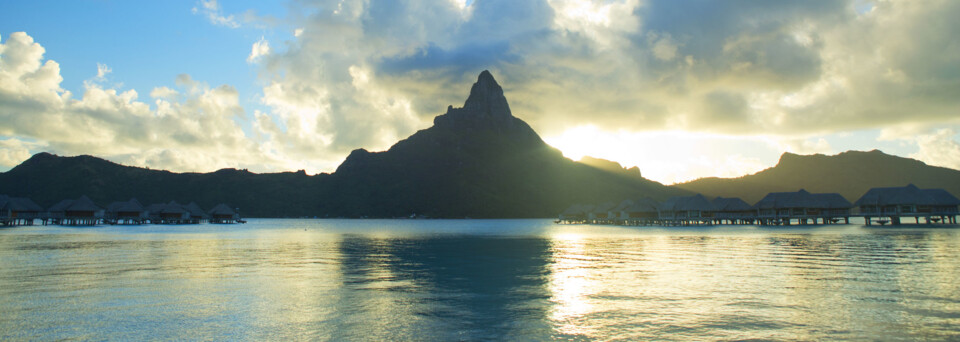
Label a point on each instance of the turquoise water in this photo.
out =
(477, 280)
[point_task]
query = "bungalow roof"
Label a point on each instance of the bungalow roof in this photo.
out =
(173, 208)
(829, 201)
(571, 210)
(730, 204)
(643, 205)
(687, 203)
(129, 206)
(221, 209)
(603, 208)
(61, 206)
(154, 208)
(906, 195)
(802, 199)
(941, 197)
(623, 205)
(19, 204)
(82, 204)
(195, 210)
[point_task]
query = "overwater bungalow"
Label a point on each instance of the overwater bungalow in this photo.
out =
(575, 214)
(197, 215)
(615, 212)
(78, 212)
(169, 213)
(893, 204)
(733, 210)
(636, 212)
(782, 208)
(686, 210)
(601, 213)
(18, 211)
(125, 212)
(221, 213)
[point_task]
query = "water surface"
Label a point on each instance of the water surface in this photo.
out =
(477, 280)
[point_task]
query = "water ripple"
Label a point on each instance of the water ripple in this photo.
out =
(478, 280)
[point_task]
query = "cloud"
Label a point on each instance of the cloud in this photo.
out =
(740, 67)
(102, 71)
(940, 148)
(163, 93)
(726, 67)
(211, 9)
(260, 48)
(13, 151)
(664, 48)
(196, 132)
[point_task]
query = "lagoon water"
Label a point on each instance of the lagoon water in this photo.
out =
(477, 280)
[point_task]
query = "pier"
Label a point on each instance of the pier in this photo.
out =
(800, 208)
(18, 211)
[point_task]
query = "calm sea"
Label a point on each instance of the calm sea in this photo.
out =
(442, 280)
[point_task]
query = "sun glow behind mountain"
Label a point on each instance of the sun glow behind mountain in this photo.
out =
(669, 156)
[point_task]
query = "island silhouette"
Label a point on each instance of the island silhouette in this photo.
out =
(477, 161)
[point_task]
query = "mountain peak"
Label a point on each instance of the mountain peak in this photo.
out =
(486, 97)
(486, 104)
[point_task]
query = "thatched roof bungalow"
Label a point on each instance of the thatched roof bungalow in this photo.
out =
(576, 213)
(908, 201)
(616, 211)
(733, 209)
(168, 213)
(19, 207)
(221, 213)
(174, 211)
(601, 212)
(125, 212)
(694, 207)
(802, 205)
(126, 209)
(81, 211)
(18, 210)
(641, 208)
(197, 215)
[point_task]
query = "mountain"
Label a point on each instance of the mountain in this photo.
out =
(850, 173)
(610, 166)
(47, 179)
(475, 161)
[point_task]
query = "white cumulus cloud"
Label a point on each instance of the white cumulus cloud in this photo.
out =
(197, 133)
(940, 148)
(260, 48)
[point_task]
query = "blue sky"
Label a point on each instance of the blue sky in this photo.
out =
(682, 89)
(145, 44)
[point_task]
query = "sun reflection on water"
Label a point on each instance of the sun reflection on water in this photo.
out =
(570, 284)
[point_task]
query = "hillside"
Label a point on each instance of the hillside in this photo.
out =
(47, 179)
(849, 173)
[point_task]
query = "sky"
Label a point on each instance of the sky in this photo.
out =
(682, 89)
